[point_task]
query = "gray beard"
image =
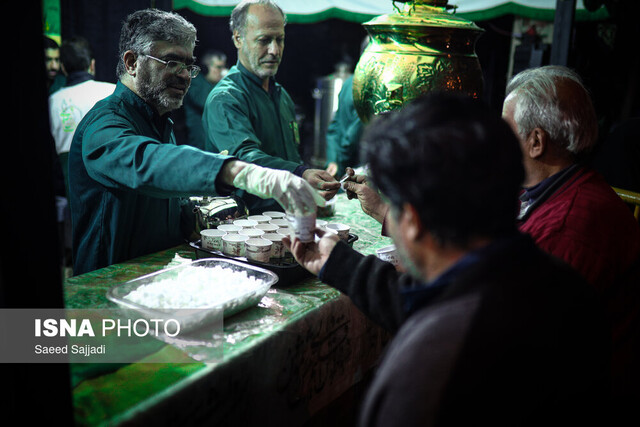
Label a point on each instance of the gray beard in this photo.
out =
(156, 96)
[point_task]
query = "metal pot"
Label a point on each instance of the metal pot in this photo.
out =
(213, 211)
(419, 48)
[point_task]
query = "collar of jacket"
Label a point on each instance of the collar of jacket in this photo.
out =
(273, 85)
(78, 77)
(130, 97)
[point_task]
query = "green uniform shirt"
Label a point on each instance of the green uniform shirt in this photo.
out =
(193, 108)
(253, 125)
(128, 182)
(344, 131)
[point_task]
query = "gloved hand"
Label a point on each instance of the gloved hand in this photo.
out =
(292, 192)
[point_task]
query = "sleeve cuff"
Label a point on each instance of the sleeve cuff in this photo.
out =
(300, 170)
(223, 189)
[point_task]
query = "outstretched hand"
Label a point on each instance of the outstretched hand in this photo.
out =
(313, 255)
(372, 204)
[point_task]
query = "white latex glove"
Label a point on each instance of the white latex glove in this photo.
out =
(292, 192)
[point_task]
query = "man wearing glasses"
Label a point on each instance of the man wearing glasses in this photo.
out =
(249, 114)
(129, 181)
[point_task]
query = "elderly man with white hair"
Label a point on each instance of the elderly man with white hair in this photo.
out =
(570, 210)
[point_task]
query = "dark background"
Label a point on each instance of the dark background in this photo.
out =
(608, 63)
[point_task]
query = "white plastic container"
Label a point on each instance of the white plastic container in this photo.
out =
(251, 232)
(342, 230)
(211, 238)
(258, 249)
(277, 250)
(260, 219)
(233, 244)
(229, 228)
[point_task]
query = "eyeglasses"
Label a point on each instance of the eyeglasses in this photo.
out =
(176, 67)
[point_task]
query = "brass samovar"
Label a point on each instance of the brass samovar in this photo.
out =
(417, 49)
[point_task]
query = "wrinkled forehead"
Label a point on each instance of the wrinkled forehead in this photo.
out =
(264, 20)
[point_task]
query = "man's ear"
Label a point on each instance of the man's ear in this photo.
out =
(237, 39)
(130, 60)
(536, 143)
(410, 224)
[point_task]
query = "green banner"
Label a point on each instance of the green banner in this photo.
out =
(51, 19)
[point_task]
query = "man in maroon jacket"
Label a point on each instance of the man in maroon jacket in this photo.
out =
(569, 209)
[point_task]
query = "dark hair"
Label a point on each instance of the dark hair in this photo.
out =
(452, 158)
(144, 27)
(75, 54)
(50, 43)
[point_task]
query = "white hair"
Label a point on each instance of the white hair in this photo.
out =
(571, 125)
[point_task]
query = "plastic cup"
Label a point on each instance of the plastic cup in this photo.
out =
(245, 223)
(342, 230)
(278, 249)
(260, 219)
(234, 244)
(251, 232)
(389, 254)
(211, 238)
(321, 224)
(229, 228)
(267, 228)
(302, 226)
(258, 249)
(280, 222)
(274, 214)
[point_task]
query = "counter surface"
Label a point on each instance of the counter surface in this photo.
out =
(283, 360)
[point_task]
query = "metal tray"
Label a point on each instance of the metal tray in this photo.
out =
(192, 318)
(289, 271)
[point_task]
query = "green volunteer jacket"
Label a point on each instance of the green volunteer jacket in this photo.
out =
(254, 126)
(129, 182)
(344, 131)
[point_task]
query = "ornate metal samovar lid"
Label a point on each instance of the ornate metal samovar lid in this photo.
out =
(423, 13)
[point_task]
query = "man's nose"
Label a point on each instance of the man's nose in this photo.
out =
(274, 48)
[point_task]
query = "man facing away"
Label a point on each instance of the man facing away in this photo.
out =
(571, 211)
(568, 209)
(128, 178)
(489, 329)
(251, 116)
(68, 105)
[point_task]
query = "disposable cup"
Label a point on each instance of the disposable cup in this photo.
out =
(303, 226)
(245, 223)
(234, 244)
(389, 254)
(260, 219)
(229, 228)
(280, 222)
(211, 238)
(274, 214)
(342, 230)
(251, 232)
(267, 228)
(258, 249)
(277, 250)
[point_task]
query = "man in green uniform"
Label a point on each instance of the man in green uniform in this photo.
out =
(128, 178)
(251, 116)
(343, 133)
(214, 64)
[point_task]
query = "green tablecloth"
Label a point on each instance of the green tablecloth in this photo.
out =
(283, 360)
